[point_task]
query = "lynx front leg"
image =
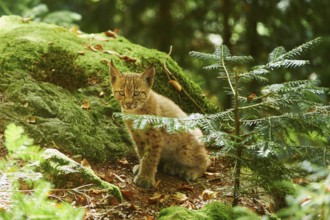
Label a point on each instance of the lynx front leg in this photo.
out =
(149, 162)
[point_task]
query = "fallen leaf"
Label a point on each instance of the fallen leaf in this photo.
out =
(95, 48)
(103, 39)
(85, 105)
(251, 97)
(123, 161)
(109, 177)
(110, 33)
(101, 94)
(122, 185)
(212, 176)
(26, 19)
(305, 201)
(75, 30)
(93, 80)
(85, 163)
(81, 52)
(155, 198)
(327, 187)
(97, 191)
(128, 59)
(123, 57)
(128, 194)
(133, 207)
(105, 61)
(31, 119)
(112, 53)
(208, 194)
(189, 205)
(186, 187)
(180, 197)
(176, 85)
(113, 201)
(149, 217)
(157, 184)
(81, 200)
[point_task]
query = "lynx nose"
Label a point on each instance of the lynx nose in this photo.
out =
(129, 105)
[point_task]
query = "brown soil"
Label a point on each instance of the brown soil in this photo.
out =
(215, 185)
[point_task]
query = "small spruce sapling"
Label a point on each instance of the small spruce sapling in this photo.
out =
(260, 129)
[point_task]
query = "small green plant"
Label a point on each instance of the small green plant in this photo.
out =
(313, 200)
(18, 169)
(265, 129)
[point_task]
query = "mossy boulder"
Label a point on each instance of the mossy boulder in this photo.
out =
(55, 83)
(211, 211)
(65, 172)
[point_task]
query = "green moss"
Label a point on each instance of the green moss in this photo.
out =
(60, 169)
(57, 66)
(279, 190)
(59, 119)
(211, 211)
(47, 72)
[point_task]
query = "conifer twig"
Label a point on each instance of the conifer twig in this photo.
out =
(226, 71)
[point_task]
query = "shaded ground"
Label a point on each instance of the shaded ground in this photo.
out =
(145, 204)
(215, 185)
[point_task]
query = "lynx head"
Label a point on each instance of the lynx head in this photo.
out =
(131, 90)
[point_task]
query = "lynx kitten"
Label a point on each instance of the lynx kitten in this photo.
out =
(181, 154)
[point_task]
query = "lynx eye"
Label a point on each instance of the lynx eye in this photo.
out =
(122, 93)
(137, 93)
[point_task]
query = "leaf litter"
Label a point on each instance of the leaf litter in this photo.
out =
(142, 203)
(139, 203)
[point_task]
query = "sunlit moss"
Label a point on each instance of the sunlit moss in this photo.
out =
(47, 72)
(211, 211)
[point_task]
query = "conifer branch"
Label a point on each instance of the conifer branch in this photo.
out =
(226, 71)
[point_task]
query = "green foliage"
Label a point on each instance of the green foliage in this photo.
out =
(37, 11)
(58, 66)
(265, 130)
(211, 211)
(19, 168)
(313, 200)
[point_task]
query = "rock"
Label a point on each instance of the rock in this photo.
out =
(51, 79)
(60, 169)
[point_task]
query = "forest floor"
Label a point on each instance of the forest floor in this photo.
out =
(215, 185)
(145, 204)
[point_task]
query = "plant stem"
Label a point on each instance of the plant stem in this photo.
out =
(226, 71)
(239, 147)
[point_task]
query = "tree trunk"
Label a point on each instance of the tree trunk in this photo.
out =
(164, 26)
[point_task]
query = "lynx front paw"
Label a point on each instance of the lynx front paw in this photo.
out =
(144, 182)
(190, 174)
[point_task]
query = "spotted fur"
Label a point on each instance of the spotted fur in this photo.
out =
(182, 154)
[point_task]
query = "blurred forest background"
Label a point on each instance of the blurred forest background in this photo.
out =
(247, 27)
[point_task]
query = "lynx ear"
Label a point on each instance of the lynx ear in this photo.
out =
(148, 75)
(114, 72)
